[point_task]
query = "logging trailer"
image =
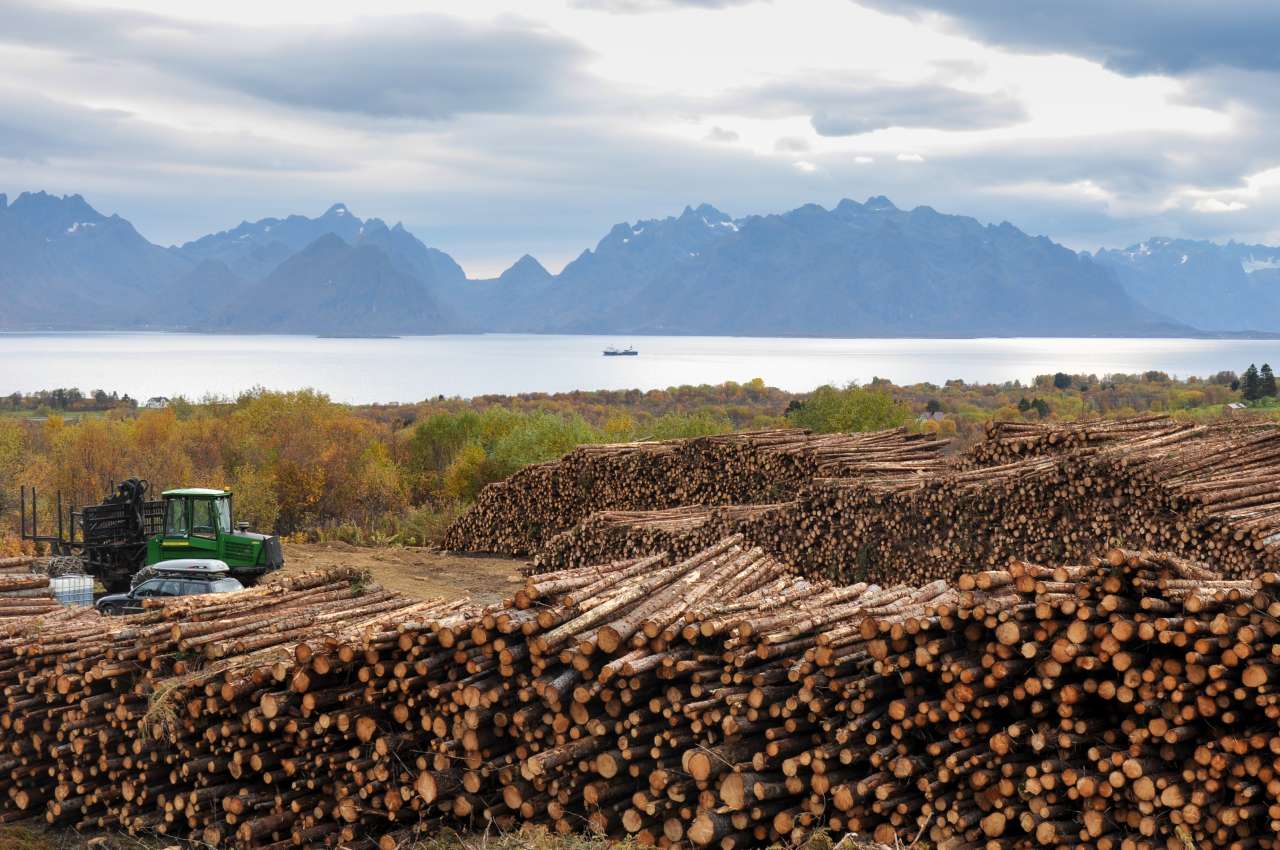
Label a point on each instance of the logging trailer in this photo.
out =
(126, 532)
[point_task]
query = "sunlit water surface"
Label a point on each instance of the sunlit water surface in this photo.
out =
(414, 368)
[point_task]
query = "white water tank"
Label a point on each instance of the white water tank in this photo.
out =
(72, 591)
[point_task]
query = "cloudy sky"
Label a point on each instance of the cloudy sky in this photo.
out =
(495, 128)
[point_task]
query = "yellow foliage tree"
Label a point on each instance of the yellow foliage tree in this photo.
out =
(254, 498)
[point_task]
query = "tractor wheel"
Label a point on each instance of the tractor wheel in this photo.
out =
(140, 576)
(64, 565)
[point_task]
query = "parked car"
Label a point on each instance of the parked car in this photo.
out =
(184, 577)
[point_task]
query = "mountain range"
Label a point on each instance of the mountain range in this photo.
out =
(857, 269)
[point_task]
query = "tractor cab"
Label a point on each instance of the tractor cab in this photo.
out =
(198, 524)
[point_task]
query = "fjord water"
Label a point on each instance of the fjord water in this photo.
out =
(414, 368)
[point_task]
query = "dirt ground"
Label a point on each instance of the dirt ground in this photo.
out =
(414, 571)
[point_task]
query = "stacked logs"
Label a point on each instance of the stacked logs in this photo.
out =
(1127, 703)
(17, 564)
(1207, 493)
(24, 594)
(616, 535)
(164, 721)
(884, 507)
(711, 701)
(1007, 442)
(519, 515)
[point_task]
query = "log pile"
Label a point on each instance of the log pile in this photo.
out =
(1127, 703)
(617, 535)
(519, 515)
(716, 701)
(1007, 442)
(885, 507)
(24, 594)
(167, 721)
(1206, 493)
(17, 564)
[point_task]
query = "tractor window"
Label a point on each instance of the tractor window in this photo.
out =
(223, 507)
(177, 521)
(204, 518)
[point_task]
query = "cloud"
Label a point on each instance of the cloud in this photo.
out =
(631, 7)
(423, 66)
(791, 144)
(493, 136)
(1133, 37)
(38, 128)
(1213, 205)
(857, 105)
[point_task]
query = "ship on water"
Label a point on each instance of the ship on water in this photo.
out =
(620, 352)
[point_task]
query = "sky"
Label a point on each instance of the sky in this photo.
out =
(493, 129)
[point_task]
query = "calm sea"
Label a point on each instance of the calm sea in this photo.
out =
(414, 368)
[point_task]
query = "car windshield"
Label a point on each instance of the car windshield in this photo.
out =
(147, 588)
(225, 585)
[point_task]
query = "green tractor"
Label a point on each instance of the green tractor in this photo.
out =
(127, 532)
(197, 524)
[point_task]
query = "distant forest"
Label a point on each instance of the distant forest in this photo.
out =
(304, 465)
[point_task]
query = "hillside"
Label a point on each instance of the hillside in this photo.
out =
(331, 287)
(66, 266)
(1230, 287)
(855, 270)
(63, 264)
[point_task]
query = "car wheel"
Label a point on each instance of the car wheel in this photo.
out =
(111, 610)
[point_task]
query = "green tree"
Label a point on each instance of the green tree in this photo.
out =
(933, 406)
(852, 408)
(539, 437)
(1041, 407)
(469, 472)
(673, 426)
(1062, 380)
(1266, 382)
(1251, 384)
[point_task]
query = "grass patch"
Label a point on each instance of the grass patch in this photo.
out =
(26, 838)
(529, 838)
(23, 837)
